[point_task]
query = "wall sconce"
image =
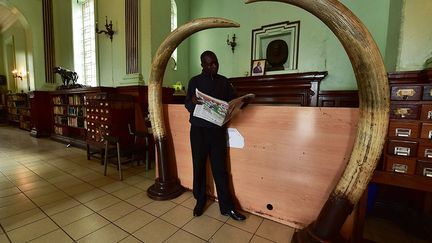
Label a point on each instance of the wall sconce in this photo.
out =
(232, 43)
(15, 74)
(109, 29)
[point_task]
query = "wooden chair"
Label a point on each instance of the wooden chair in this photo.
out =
(141, 140)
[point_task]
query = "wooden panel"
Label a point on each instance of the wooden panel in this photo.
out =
(426, 112)
(292, 156)
(426, 130)
(402, 148)
(297, 89)
(403, 129)
(408, 92)
(338, 98)
(404, 111)
(425, 150)
(424, 168)
(400, 164)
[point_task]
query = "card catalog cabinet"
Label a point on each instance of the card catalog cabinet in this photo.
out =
(409, 145)
(109, 114)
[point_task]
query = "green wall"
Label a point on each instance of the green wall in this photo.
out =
(319, 50)
(398, 27)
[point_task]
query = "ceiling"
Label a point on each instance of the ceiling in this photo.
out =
(6, 17)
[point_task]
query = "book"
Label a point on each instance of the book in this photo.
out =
(218, 111)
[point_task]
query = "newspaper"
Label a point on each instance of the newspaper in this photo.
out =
(218, 111)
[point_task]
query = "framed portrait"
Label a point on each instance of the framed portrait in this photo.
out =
(258, 67)
(279, 44)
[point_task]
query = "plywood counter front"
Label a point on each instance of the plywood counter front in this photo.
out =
(292, 158)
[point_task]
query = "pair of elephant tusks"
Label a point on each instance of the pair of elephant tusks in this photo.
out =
(374, 108)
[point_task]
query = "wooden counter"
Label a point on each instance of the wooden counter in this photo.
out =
(292, 157)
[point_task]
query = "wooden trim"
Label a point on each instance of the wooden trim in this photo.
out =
(132, 36)
(49, 53)
(338, 98)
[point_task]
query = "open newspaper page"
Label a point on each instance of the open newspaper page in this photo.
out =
(217, 111)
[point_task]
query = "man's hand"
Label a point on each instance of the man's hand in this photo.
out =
(196, 101)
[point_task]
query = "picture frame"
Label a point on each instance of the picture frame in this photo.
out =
(258, 67)
(287, 33)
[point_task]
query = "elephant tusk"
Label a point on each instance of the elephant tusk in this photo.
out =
(166, 186)
(374, 99)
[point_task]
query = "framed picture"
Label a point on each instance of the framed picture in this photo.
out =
(258, 67)
(277, 43)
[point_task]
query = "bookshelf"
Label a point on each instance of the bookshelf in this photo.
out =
(18, 110)
(69, 115)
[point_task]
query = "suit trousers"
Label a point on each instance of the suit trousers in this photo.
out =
(210, 142)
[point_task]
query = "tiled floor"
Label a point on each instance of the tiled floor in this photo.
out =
(52, 193)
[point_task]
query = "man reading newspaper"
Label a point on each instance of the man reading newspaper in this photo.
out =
(211, 92)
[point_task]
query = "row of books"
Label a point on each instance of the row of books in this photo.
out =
(71, 111)
(69, 100)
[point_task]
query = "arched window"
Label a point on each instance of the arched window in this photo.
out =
(173, 27)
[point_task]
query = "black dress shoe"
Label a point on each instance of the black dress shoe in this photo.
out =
(198, 210)
(235, 215)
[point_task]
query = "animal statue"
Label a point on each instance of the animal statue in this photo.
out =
(67, 76)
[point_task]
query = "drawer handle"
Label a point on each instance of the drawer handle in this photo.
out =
(402, 112)
(430, 134)
(429, 115)
(428, 153)
(403, 132)
(400, 168)
(402, 151)
(405, 93)
(427, 172)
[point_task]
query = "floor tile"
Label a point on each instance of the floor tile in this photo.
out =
(33, 230)
(102, 202)
(117, 211)
(115, 186)
(258, 239)
(178, 216)
(22, 219)
(250, 225)
(85, 226)
(156, 231)
(49, 198)
(134, 220)
(183, 197)
(139, 200)
(16, 208)
(158, 208)
(126, 192)
(183, 236)
(9, 191)
(71, 215)
(55, 236)
(230, 233)
(213, 210)
(78, 189)
(275, 231)
(106, 234)
(203, 226)
(59, 206)
(89, 195)
(131, 239)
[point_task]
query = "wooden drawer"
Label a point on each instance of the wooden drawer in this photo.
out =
(404, 111)
(426, 130)
(400, 164)
(404, 129)
(426, 112)
(402, 148)
(427, 92)
(406, 92)
(424, 151)
(424, 168)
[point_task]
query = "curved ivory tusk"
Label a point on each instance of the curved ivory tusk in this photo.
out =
(374, 107)
(160, 62)
(166, 184)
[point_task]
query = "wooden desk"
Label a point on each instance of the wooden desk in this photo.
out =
(292, 157)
